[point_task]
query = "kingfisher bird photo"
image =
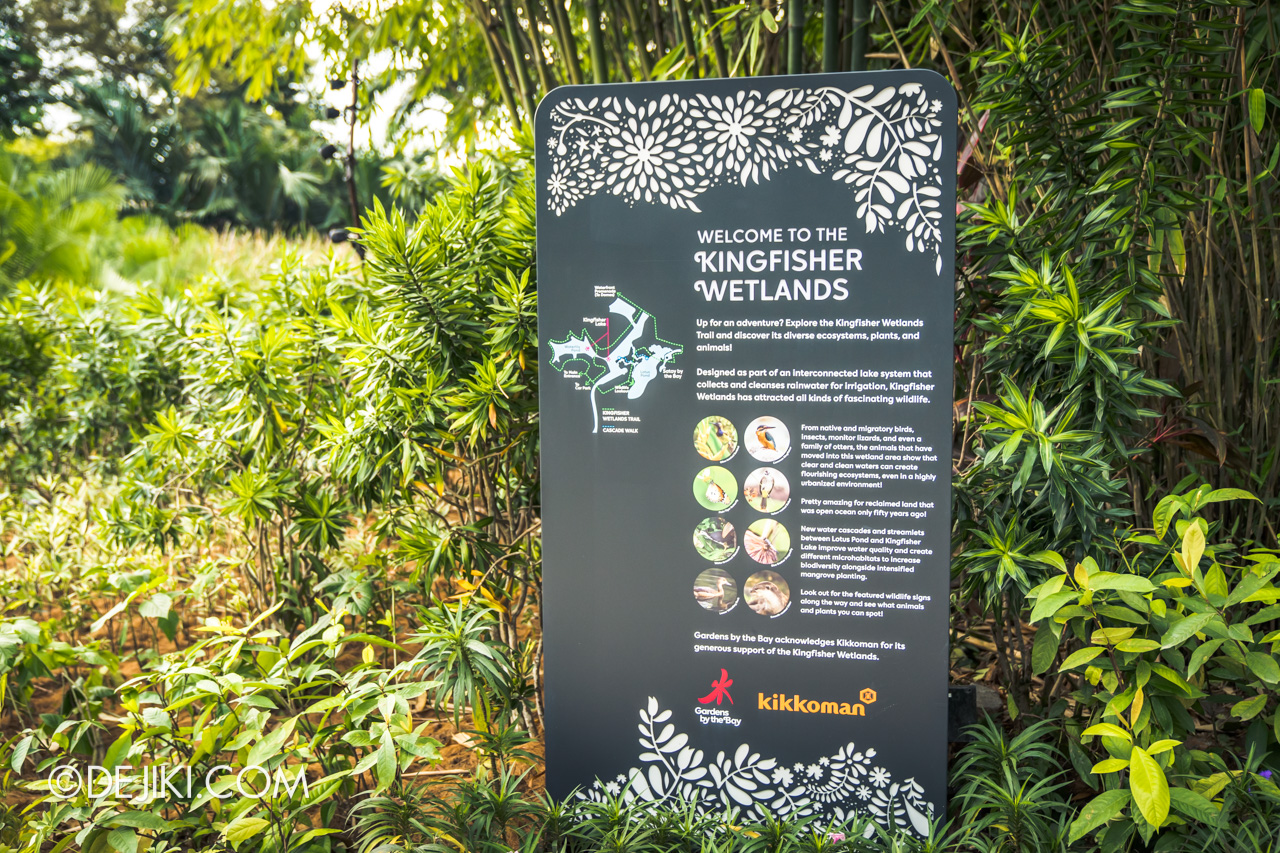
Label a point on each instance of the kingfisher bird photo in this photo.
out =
(765, 437)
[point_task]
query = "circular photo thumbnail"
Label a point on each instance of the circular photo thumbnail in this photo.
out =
(715, 590)
(715, 539)
(767, 593)
(767, 490)
(715, 438)
(767, 542)
(767, 439)
(715, 488)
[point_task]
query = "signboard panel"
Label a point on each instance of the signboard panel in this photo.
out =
(746, 298)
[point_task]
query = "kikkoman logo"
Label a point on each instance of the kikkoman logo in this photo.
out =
(796, 704)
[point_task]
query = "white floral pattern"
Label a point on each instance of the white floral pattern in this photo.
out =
(884, 142)
(836, 788)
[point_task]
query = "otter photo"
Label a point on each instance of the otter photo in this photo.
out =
(767, 593)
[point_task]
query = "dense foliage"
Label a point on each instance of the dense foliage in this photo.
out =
(278, 507)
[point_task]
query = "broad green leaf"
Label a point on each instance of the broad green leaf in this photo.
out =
(117, 751)
(1049, 605)
(1257, 116)
(20, 753)
(156, 607)
(1193, 805)
(1162, 746)
(1183, 629)
(1043, 650)
(1052, 558)
(1249, 585)
(1107, 730)
(269, 746)
(1173, 677)
(1110, 636)
(385, 769)
(1264, 666)
(1099, 810)
(1202, 653)
(123, 840)
(1218, 495)
(1137, 645)
(1081, 656)
(1192, 547)
(1164, 514)
(1126, 583)
(242, 829)
(1215, 582)
(1149, 786)
(1210, 786)
(1110, 765)
(1249, 708)
(140, 820)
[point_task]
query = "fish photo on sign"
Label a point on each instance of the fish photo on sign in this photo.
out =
(767, 439)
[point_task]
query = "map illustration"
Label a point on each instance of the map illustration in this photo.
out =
(629, 358)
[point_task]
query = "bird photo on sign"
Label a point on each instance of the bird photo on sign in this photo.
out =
(715, 539)
(715, 438)
(767, 439)
(715, 590)
(767, 490)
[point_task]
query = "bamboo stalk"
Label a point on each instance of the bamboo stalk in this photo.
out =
(599, 68)
(861, 35)
(795, 36)
(564, 35)
(830, 36)
(517, 55)
(717, 43)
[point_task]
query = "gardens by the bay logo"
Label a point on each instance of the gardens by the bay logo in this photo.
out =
(708, 710)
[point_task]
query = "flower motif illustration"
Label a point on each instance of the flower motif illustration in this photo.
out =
(643, 161)
(669, 150)
(671, 771)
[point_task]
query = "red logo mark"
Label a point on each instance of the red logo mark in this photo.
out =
(719, 690)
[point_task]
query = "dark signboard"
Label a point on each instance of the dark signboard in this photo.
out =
(746, 297)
